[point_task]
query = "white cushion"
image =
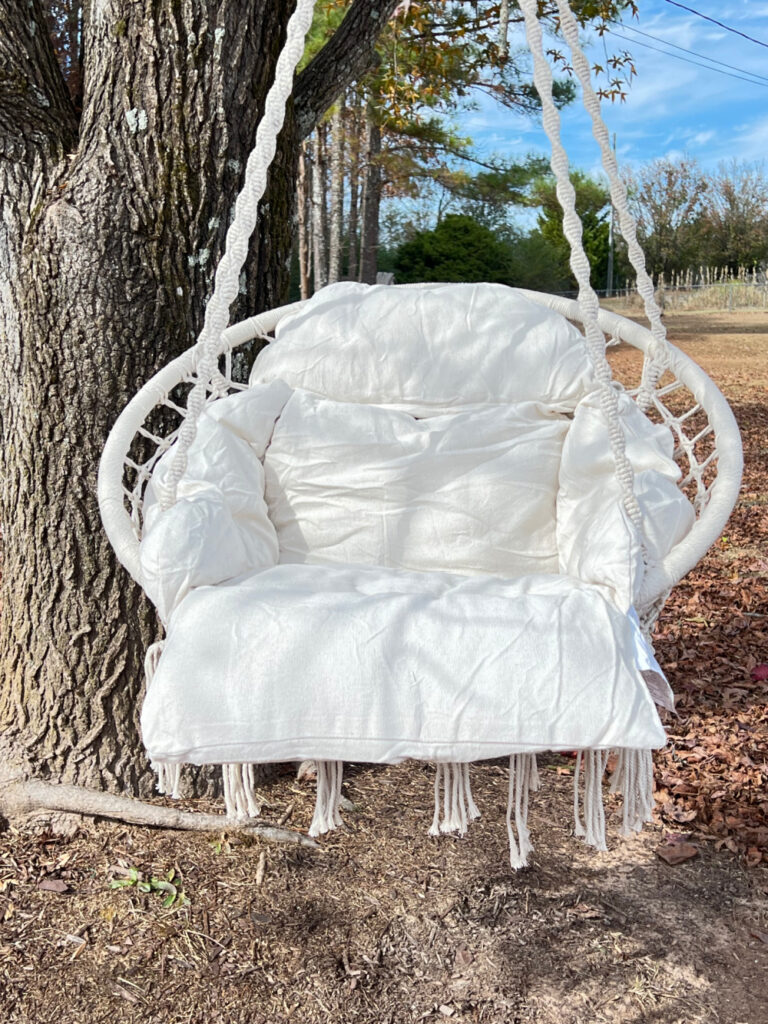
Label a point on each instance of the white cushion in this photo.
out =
(428, 349)
(472, 492)
(358, 664)
(596, 540)
(219, 527)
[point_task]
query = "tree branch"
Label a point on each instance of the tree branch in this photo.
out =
(24, 797)
(347, 56)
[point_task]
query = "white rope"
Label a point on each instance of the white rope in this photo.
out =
(572, 229)
(458, 805)
(240, 797)
(227, 281)
(658, 357)
(329, 779)
(633, 778)
(523, 777)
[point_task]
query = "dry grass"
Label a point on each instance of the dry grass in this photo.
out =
(388, 925)
(725, 296)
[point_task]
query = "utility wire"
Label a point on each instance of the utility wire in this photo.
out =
(693, 53)
(720, 24)
(698, 63)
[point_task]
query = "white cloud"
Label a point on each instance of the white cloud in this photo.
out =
(701, 138)
(752, 142)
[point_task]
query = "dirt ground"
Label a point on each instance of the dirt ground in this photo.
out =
(385, 924)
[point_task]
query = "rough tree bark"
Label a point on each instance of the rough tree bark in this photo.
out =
(109, 233)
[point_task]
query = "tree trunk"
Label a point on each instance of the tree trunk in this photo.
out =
(109, 235)
(303, 203)
(318, 213)
(354, 197)
(337, 194)
(369, 235)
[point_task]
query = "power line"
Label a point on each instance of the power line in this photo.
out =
(693, 53)
(698, 63)
(720, 24)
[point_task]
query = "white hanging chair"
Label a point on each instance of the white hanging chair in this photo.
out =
(288, 515)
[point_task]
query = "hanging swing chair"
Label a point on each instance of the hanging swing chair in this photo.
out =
(425, 523)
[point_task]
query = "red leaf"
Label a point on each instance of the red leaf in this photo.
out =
(759, 673)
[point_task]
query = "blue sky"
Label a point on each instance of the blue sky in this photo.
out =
(672, 107)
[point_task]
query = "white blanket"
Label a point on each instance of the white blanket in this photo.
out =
(367, 664)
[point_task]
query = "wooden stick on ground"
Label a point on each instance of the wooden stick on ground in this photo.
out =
(26, 796)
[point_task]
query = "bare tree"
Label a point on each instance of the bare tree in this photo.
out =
(302, 189)
(319, 211)
(337, 193)
(371, 204)
(669, 199)
(736, 217)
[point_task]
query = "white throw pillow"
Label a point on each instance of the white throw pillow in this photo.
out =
(219, 527)
(428, 349)
(473, 492)
(596, 540)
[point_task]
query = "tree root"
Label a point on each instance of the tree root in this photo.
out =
(30, 795)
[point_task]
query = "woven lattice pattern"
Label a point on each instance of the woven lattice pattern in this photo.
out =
(161, 428)
(695, 442)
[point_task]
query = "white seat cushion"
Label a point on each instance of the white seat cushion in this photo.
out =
(339, 663)
(429, 349)
(472, 492)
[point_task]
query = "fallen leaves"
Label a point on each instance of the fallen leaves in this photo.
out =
(712, 639)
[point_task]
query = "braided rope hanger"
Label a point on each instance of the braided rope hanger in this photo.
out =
(572, 229)
(658, 356)
(227, 280)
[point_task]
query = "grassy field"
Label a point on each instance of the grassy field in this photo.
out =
(385, 924)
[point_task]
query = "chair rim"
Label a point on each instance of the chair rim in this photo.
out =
(124, 535)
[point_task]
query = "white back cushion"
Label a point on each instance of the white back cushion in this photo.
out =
(472, 492)
(596, 539)
(428, 349)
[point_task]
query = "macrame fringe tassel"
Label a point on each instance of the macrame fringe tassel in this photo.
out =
(593, 828)
(327, 816)
(168, 778)
(240, 796)
(168, 774)
(458, 806)
(633, 778)
(523, 778)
